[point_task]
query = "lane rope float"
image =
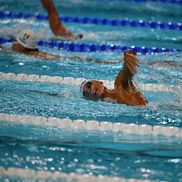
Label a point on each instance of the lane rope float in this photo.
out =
(87, 47)
(98, 21)
(78, 81)
(66, 123)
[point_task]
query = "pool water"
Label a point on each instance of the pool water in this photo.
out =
(93, 152)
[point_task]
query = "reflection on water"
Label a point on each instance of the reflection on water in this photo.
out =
(91, 152)
(105, 153)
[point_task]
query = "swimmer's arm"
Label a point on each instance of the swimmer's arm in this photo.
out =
(125, 76)
(55, 22)
(46, 56)
(41, 55)
(54, 19)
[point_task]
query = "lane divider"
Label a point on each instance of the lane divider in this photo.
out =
(98, 21)
(78, 81)
(66, 123)
(87, 47)
(31, 174)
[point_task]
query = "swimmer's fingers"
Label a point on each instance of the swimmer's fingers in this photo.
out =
(131, 58)
(79, 36)
(135, 62)
(69, 35)
(131, 67)
(73, 37)
(131, 63)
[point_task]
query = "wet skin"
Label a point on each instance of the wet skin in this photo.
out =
(124, 90)
(32, 52)
(55, 22)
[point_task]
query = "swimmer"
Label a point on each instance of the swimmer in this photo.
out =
(26, 43)
(55, 22)
(124, 91)
(26, 40)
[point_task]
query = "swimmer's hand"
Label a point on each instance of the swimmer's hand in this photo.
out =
(69, 35)
(79, 36)
(131, 62)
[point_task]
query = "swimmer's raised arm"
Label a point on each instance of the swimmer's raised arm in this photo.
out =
(125, 76)
(55, 22)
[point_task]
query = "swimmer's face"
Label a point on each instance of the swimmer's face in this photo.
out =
(93, 89)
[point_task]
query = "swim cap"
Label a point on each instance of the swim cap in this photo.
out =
(84, 87)
(27, 39)
(92, 92)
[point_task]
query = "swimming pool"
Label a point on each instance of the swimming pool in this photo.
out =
(45, 138)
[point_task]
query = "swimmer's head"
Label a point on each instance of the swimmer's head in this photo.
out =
(92, 89)
(27, 39)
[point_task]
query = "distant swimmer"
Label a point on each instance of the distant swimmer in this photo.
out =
(124, 91)
(26, 42)
(55, 22)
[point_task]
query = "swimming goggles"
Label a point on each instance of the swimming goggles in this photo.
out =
(85, 88)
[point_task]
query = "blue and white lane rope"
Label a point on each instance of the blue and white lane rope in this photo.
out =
(78, 81)
(98, 21)
(44, 175)
(92, 125)
(87, 47)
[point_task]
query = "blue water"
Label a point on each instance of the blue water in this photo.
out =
(104, 8)
(106, 153)
(92, 153)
